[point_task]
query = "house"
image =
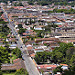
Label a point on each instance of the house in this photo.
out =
(54, 45)
(30, 49)
(10, 36)
(11, 40)
(69, 41)
(32, 55)
(17, 64)
(46, 68)
(39, 27)
(29, 32)
(13, 46)
(30, 42)
(39, 50)
(46, 39)
(64, 66)
(58, 73)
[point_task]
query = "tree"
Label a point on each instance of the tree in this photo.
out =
(70, 71)
(47, 28)
(1, 13)
(18, 4)
(42, 57)
(7, 47)
(21, 72)
(70, 11)
(30, 3)
(1, 73)
(54, 26)
(17, 52)
(70, 52)
(60, 55)
(3, 55)
(4, 30)
(67, 72)
(72, 60)
(57, 56)
(20, 26)
(57, 69)
(21, 31)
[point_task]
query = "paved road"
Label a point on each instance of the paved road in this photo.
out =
(31, 68)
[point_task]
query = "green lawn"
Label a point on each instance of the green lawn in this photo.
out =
(9, 74)
(13, 57)
(2, 35)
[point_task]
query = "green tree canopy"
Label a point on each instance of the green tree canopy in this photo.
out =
(20, 26)
(21, 31)
(17, 52)
(72, 60)
(57, 69)
(42, 57)
(3, 55)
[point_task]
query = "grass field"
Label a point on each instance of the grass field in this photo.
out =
(9, 74)
(13, 57)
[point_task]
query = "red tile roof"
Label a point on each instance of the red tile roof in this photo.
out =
(29, 48)
(46, 66)
(17, 64)
(47, 39)
(64, 64)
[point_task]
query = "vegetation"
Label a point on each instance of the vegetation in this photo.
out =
(17, 52)
(21, 72)
(64, 54)
(0, 70)
(66, 11)
(18, 4)
(70, 11)
(3, 55)
(42, 57)
(8, 73)
(15, 72)
(2, 21)
(20, 26)
(49, 27)
(39, 33)
(56, 2)
(1, 13)
(43, 2)
(58, 69)
(14, 16)
(4, 29)
(21, 31)
(71, 71)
